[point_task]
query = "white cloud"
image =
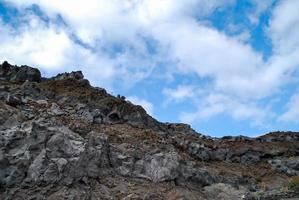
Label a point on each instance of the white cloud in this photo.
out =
(51, 49)
(238, 73)
(292, 112)
(120, 20)
(261, 6)
(34, 44)
(148, 106)
(215, 104)
(182, 92)
(102, 25)
(231, 66)
(234, 67)
(284, 27)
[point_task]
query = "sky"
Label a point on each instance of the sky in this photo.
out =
(227, 67)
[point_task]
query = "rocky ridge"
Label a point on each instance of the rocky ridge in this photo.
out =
(61, 138)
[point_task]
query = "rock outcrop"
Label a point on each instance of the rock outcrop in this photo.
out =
(61, 138)
(23, 73)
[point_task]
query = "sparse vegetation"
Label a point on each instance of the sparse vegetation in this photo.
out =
(294, 184)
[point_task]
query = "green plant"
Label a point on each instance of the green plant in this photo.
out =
(294, 184)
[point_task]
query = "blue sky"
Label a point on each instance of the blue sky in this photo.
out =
(227, 67)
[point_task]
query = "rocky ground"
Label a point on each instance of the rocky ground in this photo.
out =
(61, 138)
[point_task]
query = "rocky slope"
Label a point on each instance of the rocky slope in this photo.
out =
(61, 138)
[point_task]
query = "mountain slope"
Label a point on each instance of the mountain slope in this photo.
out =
(61, 138)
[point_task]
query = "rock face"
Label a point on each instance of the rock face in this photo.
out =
(78, 75)
(61, 138)
(23, 73)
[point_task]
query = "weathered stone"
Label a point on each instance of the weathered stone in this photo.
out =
(225, 192)
(250, 158)
(56, 110)
(63, 139)
(77, 75)
(289, 166)
(23, 73)
(13, 100)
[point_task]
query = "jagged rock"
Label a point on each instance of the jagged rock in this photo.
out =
(77, 75)
(225, 192)
(42, 102)
(84, 113)
(160, 167)
(23, 73)
(61, 138)
(13, 100)
(56, 110)
(250, 158)
(289, 166)
(219, 154)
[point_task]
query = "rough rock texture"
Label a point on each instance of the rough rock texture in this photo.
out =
(78, 75)
(23, 73)
(61, 138)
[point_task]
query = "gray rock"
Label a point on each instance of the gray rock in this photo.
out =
(13, 100)
(161, 166)
(77, 75)
(225, 192)
(22, 73)
(56, 110)
(286, 165)
(250, 158)
(42, 102)
(219, 154)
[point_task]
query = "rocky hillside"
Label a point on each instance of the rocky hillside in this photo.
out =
(61, 138)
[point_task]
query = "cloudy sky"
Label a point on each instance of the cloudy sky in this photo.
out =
(223, 66)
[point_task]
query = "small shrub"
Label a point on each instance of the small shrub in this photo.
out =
(294, 184)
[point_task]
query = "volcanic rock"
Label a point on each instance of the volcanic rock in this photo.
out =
(61, 138)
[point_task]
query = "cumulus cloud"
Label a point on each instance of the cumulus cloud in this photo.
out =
(238, 72)
(260, 7)
(215, 104)
(284, 27)
(182, 92)
(292, 112)
(124, 41)
(116, 31)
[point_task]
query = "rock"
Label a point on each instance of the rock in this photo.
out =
(293, 163)
(77, 75)
(85, 114)
(224, 192)
(13, 100)
(61, 138)
(22, 73)
(181, 193)
(219, 154)
(27, 73)
(5, 68)
(161, 167)
(250, 158)
(289, 166)
(30, 89)
(200, 177)
(66, 155)
(42, 102)
(114, 117)
(81, 127)
(56, 110)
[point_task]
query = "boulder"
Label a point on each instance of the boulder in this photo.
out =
(56, 110)
(13, 100)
